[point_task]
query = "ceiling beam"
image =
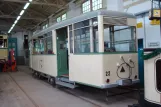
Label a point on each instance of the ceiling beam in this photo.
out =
(34, 2)
(25, 18)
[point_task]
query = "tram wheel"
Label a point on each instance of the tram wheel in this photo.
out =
(34, 74)
(52, 81)
(40, 77)
(106, 93)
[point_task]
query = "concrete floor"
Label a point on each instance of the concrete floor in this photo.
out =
(20, 89)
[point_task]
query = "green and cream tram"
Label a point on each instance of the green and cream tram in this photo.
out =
(97, 49)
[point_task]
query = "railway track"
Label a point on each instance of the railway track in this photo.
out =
(62, 89)
(33, 102)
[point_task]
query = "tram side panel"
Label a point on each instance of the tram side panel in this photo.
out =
(116, 69)
(50, 65)
(46, 64)
(35, 62)
(4, 53)
(86, 69)
(151, 92)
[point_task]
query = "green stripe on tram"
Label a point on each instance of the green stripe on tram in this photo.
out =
(101, 53)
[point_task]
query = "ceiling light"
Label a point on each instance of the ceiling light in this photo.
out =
(13, 25)
(18, 18)
(22, 12)
(15, 21)
(26, 6)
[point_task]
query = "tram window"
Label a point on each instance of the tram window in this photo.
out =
(119, 39)
(81, 24)
(82, 40)
(41, 46)
(71, 42)
(70, 27)
(95, 38)
(158, 75)
(36, 47)
(1, 43)
(124, 38)
(49, 45)
(95, 34)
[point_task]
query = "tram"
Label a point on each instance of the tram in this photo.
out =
(4, 47)
(96, 49)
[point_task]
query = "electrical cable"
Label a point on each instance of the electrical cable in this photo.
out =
(129, 66)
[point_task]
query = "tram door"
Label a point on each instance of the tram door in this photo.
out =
(62, 52)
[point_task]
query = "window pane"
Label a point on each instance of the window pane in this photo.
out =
(70, 27)
(36, 48)
(64, 16)
(58, 19)
(49, 43)
(86, 6)
(121, 40)
(41, 46)
(71, 42)
(95, 34)
(81, 24)
(82, 41)
(96, 4)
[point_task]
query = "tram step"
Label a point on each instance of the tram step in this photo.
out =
(63, 81)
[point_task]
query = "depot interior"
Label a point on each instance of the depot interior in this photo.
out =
(22, 20)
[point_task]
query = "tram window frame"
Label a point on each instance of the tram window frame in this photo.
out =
(47, 42)
(71, 39)
(49, 38)
(95, 35)
(158, 75)
(1, 43)
(35, 46)
(90, 37)
(129, 45)
(82, 37)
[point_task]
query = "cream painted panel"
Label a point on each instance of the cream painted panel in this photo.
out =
(45, 63)
(151, 93)
(86, 69)
(4, 54)
(50, 65)
(131, 22)
(35, 62)
(110, 62)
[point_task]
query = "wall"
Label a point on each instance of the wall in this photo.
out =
(149, 33)
(139, 8)
(20, 41)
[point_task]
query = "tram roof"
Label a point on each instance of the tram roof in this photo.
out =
(86, 16)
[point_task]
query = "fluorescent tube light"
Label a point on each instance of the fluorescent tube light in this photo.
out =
(15, 21)
(22, 12)
(26, 6)
(18, 18)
